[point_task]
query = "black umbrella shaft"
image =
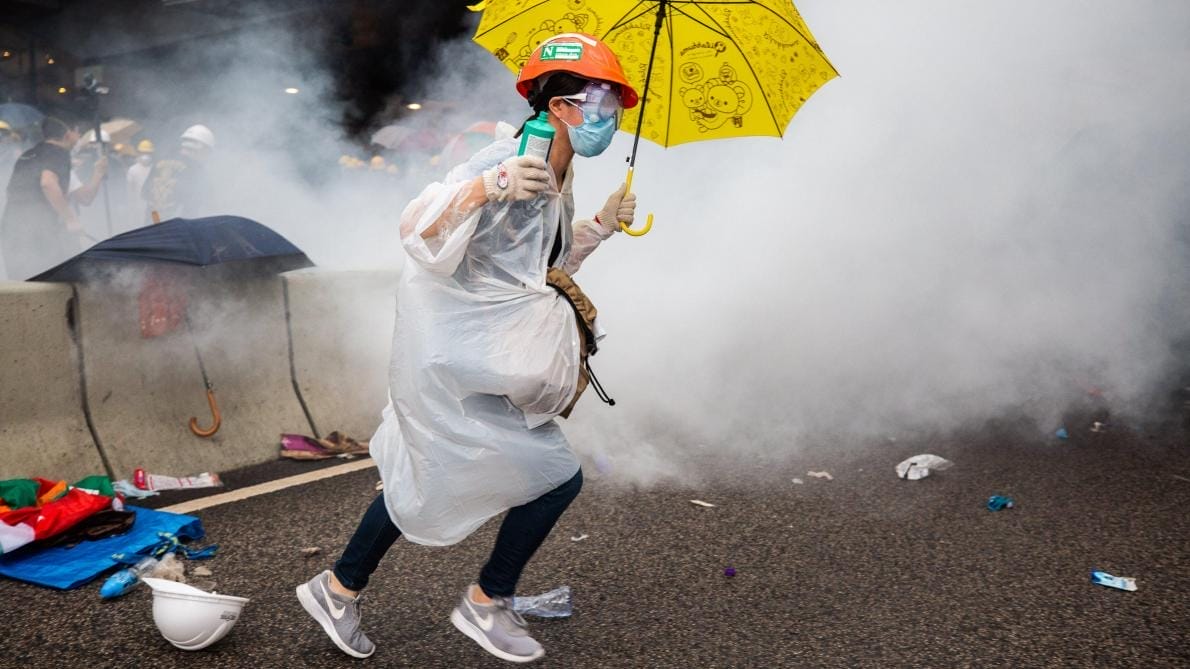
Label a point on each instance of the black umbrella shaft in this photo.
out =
(644, 96)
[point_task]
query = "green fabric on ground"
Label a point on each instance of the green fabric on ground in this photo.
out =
(19, 493)
(98, 483)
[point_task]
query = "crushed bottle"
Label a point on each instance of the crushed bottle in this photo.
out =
(552, 604)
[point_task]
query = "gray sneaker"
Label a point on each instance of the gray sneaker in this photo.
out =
(338, 615)
(496, 628)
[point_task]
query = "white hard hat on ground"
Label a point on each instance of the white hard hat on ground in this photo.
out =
(190, 618)
(200, 134)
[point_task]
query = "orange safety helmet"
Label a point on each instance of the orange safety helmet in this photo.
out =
(578, 54)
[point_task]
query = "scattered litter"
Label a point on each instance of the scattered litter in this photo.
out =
(798, 481)
(578, 538)
(729, 572)
(920, 466)
(311, 551)
(146, 481)
(999, 502)
(122, 582)
(1117, 582)
(379, 486)
(334, 445)
(125, 488)
(553, 604)
(821, 475)
(1099, 427)
(202, 571)
(1062, 433)
(170, 568)
(699, 502)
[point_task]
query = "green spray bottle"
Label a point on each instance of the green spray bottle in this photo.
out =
(537, 137)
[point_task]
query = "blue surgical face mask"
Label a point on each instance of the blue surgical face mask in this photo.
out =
(591, 138)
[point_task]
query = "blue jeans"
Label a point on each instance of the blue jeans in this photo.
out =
(521, 533)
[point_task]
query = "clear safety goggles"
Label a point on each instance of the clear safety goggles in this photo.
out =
(599, 101)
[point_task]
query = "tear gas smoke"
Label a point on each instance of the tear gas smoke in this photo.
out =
(984, 215)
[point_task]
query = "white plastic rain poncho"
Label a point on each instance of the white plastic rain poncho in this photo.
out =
(485, 354)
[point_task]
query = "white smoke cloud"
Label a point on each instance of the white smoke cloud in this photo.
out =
(984, 214)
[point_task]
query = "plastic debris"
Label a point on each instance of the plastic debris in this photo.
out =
(125, 488)
(699, 502)
(170, 568)
(123, 581)
(1099, 427)
(578, 538)
(202, 571)
(920, 466)
(821, 475)
(1117, 582)
(311, 551)
(146, 481)
(553, 604)
(798, 481)
(729, 572)
(1061, 433)
(999, 503)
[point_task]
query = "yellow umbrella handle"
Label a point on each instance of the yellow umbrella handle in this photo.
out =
(648, 222)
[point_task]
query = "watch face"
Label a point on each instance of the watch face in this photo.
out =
(502, 177)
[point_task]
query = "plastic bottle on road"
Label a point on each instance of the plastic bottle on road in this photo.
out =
(552, 604)
(123, 581)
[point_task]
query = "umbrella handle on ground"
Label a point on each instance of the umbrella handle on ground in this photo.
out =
(648, 222)
(218, 420)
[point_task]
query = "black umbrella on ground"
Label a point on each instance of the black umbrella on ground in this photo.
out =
(224, 245)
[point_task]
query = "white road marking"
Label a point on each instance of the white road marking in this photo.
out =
(269, 486)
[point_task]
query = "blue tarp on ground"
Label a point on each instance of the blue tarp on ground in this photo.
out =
(68, 568)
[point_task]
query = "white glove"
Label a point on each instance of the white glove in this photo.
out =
(520, 178)
(620, 208)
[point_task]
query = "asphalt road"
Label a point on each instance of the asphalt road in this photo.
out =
(865, 570)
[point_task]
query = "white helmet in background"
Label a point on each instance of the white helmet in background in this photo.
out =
(198, 136)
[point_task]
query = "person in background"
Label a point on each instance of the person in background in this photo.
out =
(486, 354)
(178, 185)
(138, 173)
(39, 228)
(88, 167)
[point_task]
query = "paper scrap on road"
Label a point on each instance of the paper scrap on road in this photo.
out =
(798, 481)
(579, 537)
(202, 571)
(699, 502)
(821, 475)
(379, 485)
(311, 551)
(920, 466)
(1117, 582)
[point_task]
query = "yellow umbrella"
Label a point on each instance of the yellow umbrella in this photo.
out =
(707, 69)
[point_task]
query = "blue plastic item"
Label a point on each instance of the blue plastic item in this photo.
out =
(999, 502)
(1062, 433)
(67, 568)
(123, 581)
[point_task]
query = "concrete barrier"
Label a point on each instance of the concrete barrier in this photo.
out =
(143, 391)
(43, 430)
(341, 327)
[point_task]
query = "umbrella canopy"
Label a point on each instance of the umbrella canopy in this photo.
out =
(20, 116)
(203, 242)
(720, 68)
(121, 130)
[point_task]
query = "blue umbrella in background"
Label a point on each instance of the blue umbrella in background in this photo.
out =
(20, 117)
(223, 245)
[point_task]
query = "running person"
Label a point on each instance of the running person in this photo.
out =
(486, 354)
